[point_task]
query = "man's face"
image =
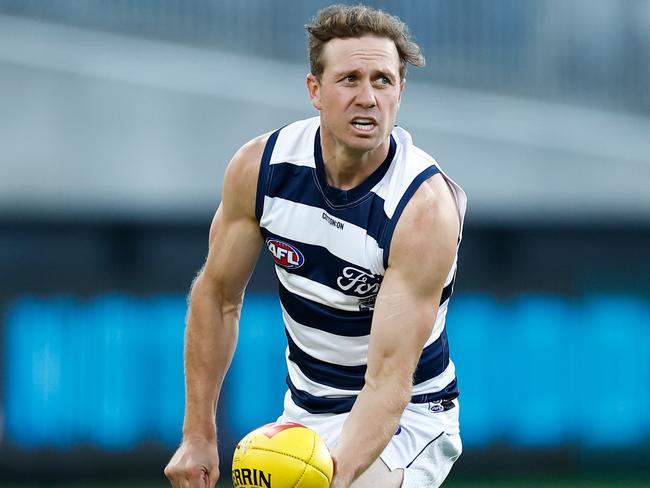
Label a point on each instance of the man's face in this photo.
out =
(359, 92)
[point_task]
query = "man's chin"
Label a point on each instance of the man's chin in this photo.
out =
(363, 144)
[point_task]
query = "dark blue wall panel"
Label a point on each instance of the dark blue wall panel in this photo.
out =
(538, 371)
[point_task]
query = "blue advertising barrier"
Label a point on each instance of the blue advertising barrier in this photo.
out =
(536, 371)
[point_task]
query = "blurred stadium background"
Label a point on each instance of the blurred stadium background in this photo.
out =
(117, 118)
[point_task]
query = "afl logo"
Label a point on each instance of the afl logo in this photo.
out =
(284, 254)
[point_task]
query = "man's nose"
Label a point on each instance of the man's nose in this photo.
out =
(366, 95)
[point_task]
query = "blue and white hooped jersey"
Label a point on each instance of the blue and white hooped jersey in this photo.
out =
(331, 249)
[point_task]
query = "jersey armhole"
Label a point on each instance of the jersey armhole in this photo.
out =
(263, 178)
(392, 223)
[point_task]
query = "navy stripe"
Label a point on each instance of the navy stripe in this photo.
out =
(297, 184)
(323, 267)
(433, 361)
(263, 178)
(449, 392)
(447, 291)
(322, 317)
(329, 319)
(314, 404)
(334, 375)
(390, 228)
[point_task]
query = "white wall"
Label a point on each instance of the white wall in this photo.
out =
(97, 124)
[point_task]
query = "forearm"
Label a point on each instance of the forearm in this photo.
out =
(210, 340)
(370, 426)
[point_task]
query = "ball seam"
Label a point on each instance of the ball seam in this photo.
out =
(293, 456)
(308, 463)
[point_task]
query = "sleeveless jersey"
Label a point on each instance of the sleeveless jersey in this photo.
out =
(331, 249)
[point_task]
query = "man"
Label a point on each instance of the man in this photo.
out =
(364, 230)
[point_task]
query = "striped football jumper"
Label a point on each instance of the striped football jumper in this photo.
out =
(331, 248)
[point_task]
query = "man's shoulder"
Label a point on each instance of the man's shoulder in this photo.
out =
(252, 150)
(242, 173)
(432, 204)
(429, 221)
(413, 152)
(245, 163)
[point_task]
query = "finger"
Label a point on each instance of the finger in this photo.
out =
(173, 474)
(213, 478)
(172, 477)
(169, 473)
(199, 477)
(198, 483)
(180, 479)
(205, 479)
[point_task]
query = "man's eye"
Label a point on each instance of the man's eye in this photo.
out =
(384, 80)
(350, 78)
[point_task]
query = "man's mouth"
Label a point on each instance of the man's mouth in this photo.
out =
(363, 124)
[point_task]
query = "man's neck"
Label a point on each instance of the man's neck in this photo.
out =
(346, 168)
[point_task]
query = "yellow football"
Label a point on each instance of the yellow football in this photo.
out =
(282, 455)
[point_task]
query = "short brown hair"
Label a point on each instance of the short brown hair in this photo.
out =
(346, 21)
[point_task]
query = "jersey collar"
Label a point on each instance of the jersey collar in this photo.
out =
(342, 198)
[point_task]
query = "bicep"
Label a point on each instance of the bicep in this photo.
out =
(235, 243)
(402, 322)
(423, 250)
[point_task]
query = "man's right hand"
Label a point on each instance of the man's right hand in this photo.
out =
(216, 298)
(194, 465)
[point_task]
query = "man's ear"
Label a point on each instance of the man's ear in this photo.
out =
(313, 86)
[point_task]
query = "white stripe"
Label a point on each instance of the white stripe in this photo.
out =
(301, 382)
(407, 165)
(437, 383)
(304, 223)
(316, 292)
(452, 271)
(461, 201)
(332, 348)
(410, 161)
(295, 144)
